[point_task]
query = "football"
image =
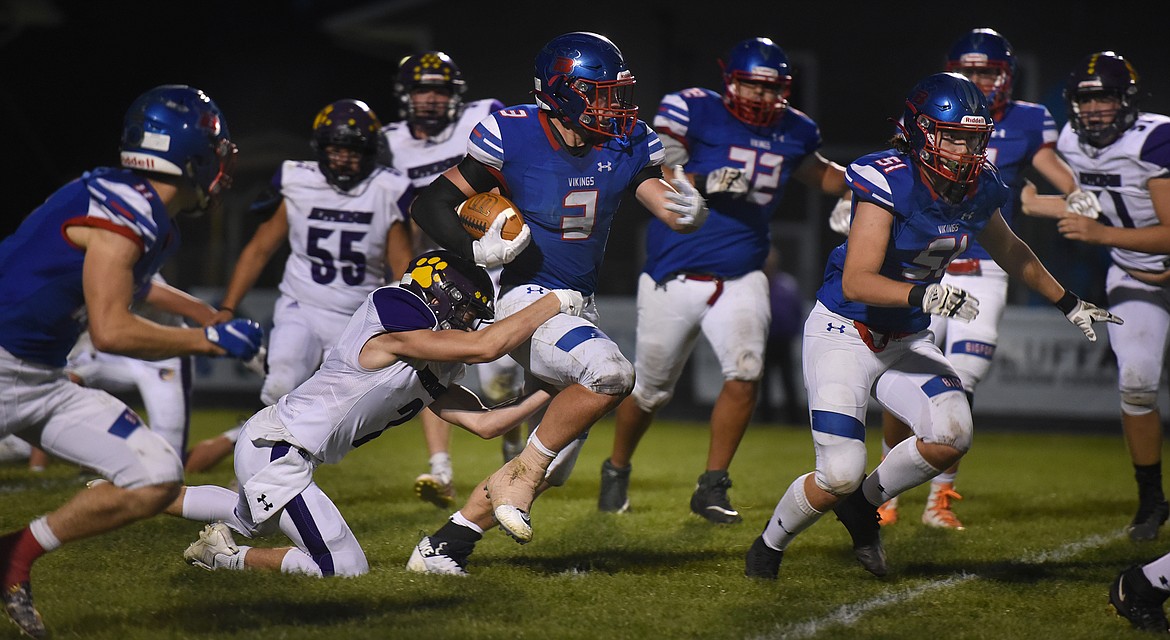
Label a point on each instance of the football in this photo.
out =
(479, 211)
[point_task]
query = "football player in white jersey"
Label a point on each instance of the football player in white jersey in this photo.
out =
(430, 138)
(343, 217)
(401, 351)
(81, 258)
(1122, 156)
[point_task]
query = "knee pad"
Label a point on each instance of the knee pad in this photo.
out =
(650, 400)
(562, 466)
(607, 371)
(749, 366)
(1138, 403)
(840, 463)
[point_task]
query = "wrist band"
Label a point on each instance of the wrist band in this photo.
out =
(1067, 302)
(917, 293)
(231, 310)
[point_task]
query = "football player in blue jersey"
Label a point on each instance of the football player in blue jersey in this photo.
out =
(740, 148)
(916, 207)
(1025, 134)
(85, 254)
(1122, 156)
(566, 162)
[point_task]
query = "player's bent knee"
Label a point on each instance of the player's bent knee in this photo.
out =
(650, 400)
(612, 375)
(150, 500)
(840, 463)
(1138, 403)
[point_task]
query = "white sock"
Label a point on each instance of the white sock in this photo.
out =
(209, 503)
(45, 537)
(462, 521)
(945, 478)
(535, 442)
(1158, 573)
(903, 468)
(792, 515)
(234, 562)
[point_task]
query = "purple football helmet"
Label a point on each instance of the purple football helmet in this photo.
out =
(1102, 75)
(349, 124)
(459, 292)
(433, 70)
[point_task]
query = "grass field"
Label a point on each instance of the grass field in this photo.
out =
(1044, 514)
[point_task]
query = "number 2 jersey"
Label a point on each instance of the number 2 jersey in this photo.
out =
(43, 308)
(344, 405)
(1118, 174)
(567, 201)
(734, 239)
(927, 233)
(338, 238)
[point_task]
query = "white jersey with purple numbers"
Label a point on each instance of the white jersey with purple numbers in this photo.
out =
(344, 405)
(423, 160)
(568, 201)
(43, 309)
(734, 239)
(1118, 174)
(927, 233)
(338, 238)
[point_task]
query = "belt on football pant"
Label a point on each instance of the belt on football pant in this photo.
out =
(965, 267)
(702, 277)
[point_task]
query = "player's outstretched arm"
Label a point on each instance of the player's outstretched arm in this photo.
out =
(461, 407)
(173, 300)
(269, 237)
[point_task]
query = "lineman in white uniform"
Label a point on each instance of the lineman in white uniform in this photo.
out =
(1122, 156)
(394, 358)
(430, 138)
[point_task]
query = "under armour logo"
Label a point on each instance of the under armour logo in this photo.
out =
(840, 329)
(605, 166)
(263, 500)
(1164, 581)
(540, 290)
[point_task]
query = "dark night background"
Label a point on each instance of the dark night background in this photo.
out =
(70, 69)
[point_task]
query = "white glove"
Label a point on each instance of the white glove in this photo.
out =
(1084, 314)
(686, 201)
(839, 217)
(492, 250)
(1083, 203)
(572, 302)
(727, 180)
(951, 302)
(256, 364)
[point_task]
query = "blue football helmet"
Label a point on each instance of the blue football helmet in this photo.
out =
(756, 60)
(987, 59)
(177, 130)
(435, 70)
(582, 79)
(947, 107)
(459, 292)
(349, 124)
(1103, 74)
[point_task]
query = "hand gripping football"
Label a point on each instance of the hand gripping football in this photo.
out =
(479, 211)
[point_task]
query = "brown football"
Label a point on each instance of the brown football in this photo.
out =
(479, 211)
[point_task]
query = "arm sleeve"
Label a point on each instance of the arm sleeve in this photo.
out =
(434, 211)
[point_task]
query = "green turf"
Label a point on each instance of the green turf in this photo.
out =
(656, 572)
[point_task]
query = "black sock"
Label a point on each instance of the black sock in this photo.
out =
(452, 531)
(1149, 480)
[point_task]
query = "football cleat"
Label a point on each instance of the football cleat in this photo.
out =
(710, 498)
(430, 488)
(514, 522)
(448, 557)
(615, 485)
(762, 561)
(1136, 600)
(938, 511)
(18, 605)
(512, 488)
(1149, 518)
(215, 540)
(861, 520)
(888, 512)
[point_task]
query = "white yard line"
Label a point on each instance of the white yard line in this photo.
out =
(848, 615)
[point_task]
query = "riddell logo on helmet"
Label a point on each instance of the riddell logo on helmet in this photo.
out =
(136, 161)
(973, 120)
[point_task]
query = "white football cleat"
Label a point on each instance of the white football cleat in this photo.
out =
(214, 540)
(445, 558)
(514, 522)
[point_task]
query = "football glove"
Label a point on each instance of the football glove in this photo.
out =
(572, 302)
(256, 364)
(1083, 203)
(492, 250)
(727, 180)
(686, 201)
(839, 217)
(239, 337)
(950, 301)
(1084, 314)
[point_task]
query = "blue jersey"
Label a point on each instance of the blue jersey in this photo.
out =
(40, 269)
(568, 201)
(927, 233)
(735, 238)
(1022, 130)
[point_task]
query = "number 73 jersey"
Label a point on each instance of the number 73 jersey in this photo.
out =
(926, 235)
(337, 239)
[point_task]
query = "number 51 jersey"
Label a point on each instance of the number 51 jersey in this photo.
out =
(338, 238)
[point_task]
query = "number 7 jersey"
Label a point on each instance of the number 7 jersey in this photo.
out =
(927, 233)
